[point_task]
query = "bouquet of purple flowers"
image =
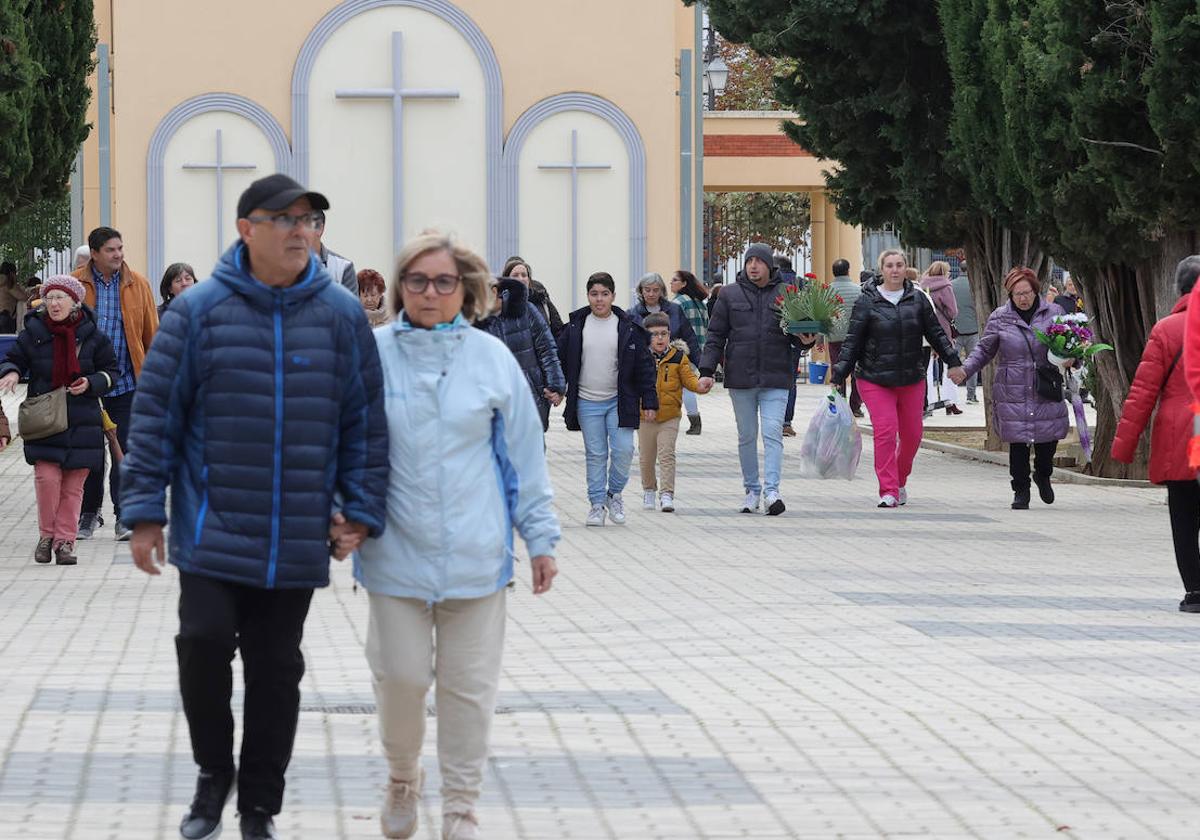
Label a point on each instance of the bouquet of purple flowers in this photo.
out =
(1069, 337)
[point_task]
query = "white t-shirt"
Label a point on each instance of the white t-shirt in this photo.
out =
(893, 297)
(598, 369)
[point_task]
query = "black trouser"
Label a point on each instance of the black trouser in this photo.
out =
(215, 619)
(1183, 502)
(119, 409)
(1018, 462)
(8, 322)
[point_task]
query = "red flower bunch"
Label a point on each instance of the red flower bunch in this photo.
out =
(810, 276)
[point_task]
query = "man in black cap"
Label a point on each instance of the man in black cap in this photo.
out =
(261, 405)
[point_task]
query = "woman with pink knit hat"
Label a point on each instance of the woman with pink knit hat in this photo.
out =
(61, 347)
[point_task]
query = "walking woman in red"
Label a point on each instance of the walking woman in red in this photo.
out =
(883, 350)
(1162, 381)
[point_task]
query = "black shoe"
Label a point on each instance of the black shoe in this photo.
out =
(121, 531)
(1044, 489)
(1020, 497)
(88, 523)
(203, 820)
(857, 412)
(1190, 603)
(257, 825)
(694, 427)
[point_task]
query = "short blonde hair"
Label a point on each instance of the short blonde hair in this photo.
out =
(941, 268)
(476, 278)
(891, 252)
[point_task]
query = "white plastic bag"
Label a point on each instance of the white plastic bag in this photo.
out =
(833, 443)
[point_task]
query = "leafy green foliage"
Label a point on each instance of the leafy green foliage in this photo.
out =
(34, 233)
(779, 219)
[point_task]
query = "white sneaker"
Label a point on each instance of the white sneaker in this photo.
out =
(398, 817)
(887, 501)
(460, 827)
(647, 500)
(775, 504)
(668, 502)
(903, 495)
(616, 509)
(596, 516)
(750, 505)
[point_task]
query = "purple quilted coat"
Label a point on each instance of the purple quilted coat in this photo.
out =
(1019, 414)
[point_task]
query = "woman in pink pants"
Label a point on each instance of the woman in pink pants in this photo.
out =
(61, 347)
(883, 350)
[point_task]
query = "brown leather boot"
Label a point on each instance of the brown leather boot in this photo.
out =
(64, 554)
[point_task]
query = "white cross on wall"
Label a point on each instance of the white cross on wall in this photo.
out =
(220, 167)
(397, 93)
(574, 167)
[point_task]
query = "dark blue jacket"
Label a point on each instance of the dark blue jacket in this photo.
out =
(681, 327)
(525, 332)
(636, 373)
(263, 409)
(81, 446)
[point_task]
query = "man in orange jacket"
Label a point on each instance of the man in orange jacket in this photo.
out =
(126, 313)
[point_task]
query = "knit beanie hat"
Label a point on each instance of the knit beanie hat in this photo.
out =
(763, 251)
(64, 283)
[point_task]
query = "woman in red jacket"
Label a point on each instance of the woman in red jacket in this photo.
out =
(1162, 380)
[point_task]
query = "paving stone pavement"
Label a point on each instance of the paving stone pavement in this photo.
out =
(947, 670)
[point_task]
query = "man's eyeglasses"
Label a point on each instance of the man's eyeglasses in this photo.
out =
(285, 223)
(660, 334)
(443, 284)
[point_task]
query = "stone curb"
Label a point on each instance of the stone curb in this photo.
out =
(1063, 476)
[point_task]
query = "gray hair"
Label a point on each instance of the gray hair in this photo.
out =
(1186, 273)
(84, 253)
(651, 278)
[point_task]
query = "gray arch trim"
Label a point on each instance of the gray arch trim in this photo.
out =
(171, 123)
(636, 150)
(493, 88)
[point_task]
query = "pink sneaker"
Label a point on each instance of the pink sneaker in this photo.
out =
(398, 817)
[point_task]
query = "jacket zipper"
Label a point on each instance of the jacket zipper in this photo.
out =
(203, 505)
(277, 479)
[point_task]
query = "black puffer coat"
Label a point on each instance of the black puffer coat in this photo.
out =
(637, 376)
(745, 330)
(522, 329)
(540, 298)
(884, 339)
(81, 446)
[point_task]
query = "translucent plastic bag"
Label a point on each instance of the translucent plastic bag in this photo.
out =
(833, 443)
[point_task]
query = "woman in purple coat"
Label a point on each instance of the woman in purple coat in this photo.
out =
(1023, 416)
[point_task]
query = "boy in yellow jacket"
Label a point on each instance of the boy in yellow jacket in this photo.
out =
(656, 438)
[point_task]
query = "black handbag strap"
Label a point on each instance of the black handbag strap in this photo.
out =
(1036, 367)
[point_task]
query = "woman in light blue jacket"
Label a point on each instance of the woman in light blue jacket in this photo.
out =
(467, 467)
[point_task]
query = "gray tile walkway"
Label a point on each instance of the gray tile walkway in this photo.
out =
(947, 670)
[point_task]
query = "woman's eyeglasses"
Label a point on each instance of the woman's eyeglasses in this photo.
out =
(443, 284)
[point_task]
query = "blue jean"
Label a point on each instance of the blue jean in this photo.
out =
(748, 405)
(608, 449)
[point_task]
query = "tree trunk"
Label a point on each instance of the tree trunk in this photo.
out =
(1125, 302)
(992, 251)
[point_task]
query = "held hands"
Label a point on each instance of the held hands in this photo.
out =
(552, 397)
(706, 384)
(79, 387)
(146, 545)
(544, 572)
(344, 536)
(957, 375)
(8, 382)
(649, 415)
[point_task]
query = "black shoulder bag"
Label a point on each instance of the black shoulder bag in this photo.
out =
(1049, 379)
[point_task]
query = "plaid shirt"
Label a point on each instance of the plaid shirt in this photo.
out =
(112, 323)
(697, 315)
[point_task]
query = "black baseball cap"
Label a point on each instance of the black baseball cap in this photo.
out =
(276, 192)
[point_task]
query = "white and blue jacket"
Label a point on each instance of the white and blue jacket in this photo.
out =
(262, 408)
(467, 466)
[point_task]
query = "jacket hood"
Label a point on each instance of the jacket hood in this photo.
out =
(936, 283)
(872, 288)
(774, 280)
(233, 270)
(514, 295)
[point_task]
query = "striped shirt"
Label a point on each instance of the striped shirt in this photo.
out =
(112, 323)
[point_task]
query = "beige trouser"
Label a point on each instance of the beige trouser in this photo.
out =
(656, 441)
(401, 652)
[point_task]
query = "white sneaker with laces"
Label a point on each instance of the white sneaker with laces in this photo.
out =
(668, 502)
(887, 501)
(750, 505)
(398, 818)
(616, 509)
(460, 827)
(903, 496)
(647, 500)
(595, 517)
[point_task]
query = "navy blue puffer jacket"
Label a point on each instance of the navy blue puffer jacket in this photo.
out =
(263, 409)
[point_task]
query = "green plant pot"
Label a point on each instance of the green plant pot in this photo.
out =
(799, 327)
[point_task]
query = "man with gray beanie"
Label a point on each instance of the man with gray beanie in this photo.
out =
(745, 332)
